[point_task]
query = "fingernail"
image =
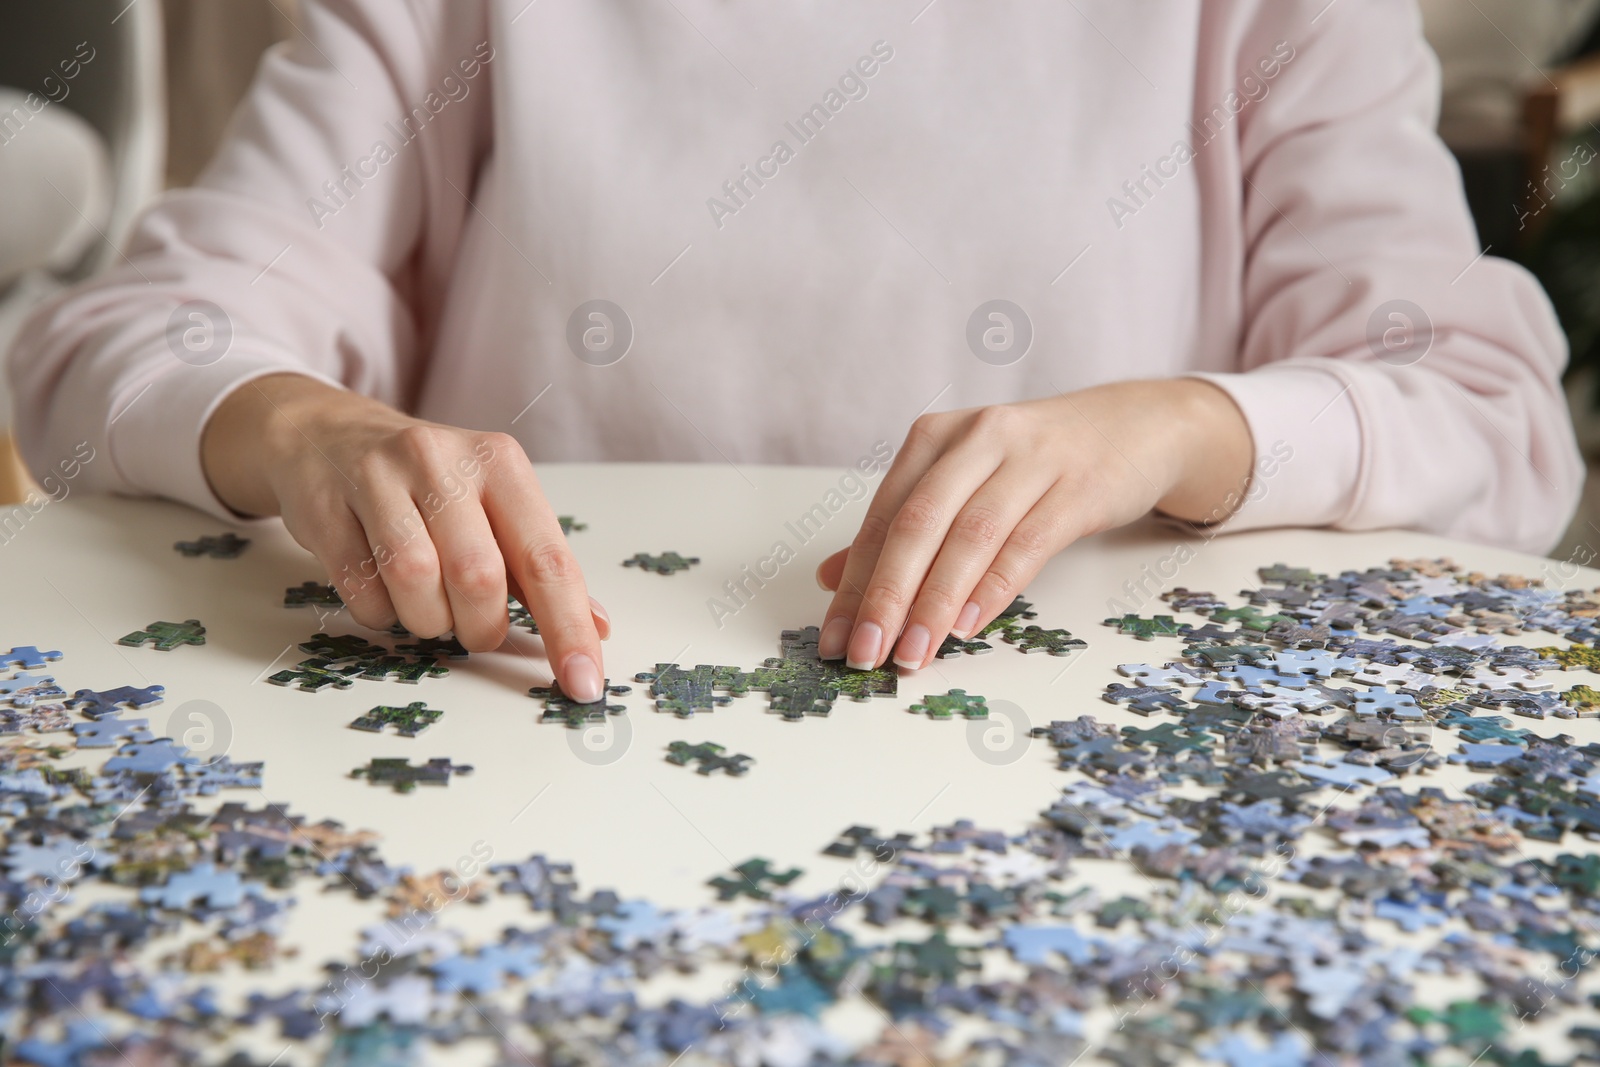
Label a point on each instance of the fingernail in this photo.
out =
(583, 682)
(865, 644)
(966, 620)
(913, 647)
(830, 643)
(596, 607)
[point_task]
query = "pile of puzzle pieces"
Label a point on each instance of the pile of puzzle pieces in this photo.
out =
(1262, 772)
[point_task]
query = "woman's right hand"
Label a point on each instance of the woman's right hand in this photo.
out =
(416, 522)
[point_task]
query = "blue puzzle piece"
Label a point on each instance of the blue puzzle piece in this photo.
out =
(1288, 1049)
(1410, 917)
(1343, 774)
(1151, 835)
(1036, 944)
(635, 921)
(151, 757)
(25, 688)
(1254, 677)
(1400, 705)
(111, 731)
(219, 889)
(96, 705)
(1215, 693)
(27, 658)
(485, 971)
(1490, 755)
(82, 1036)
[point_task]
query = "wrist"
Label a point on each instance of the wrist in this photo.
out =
(253, 431)
(1212, 448)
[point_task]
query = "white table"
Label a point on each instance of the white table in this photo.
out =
(81, 573)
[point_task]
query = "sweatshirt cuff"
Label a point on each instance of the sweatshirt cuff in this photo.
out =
(154, 436)
(1307, 443)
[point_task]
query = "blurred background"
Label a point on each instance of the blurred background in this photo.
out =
(103, 104)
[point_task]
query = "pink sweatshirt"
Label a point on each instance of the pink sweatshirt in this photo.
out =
(799, 215)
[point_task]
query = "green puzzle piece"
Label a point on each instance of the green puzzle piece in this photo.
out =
(1038, 639)
(404, 777)
(410, 720)
(708, 756)
(666, 563)
(167, 636)
(558, 707)
(938, 706)
(1145, 629)
(1169, 737)
(311, 676)
(756, 879)
(1581, 696)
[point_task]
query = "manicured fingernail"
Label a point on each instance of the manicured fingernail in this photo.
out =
(913, 647)
(830, 643)
(598, 609)
(865, 644)
(583, 682)
(966, 620)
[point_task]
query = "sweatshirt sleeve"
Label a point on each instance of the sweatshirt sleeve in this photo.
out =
(337, 196)
(1391, 374)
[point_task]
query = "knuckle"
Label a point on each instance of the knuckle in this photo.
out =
(477, 576)
(1002, 580)
(923, 434)
(885, 598)
(873, 533)
(978, 525)
(425, 446)
(549, 564)
(940, 598)
(920, 514)
(997, 420)
(496, 449)
(410, 566)
(1030, 541)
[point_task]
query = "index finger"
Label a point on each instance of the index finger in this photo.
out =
(545, 571)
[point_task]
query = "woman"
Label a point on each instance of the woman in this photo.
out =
(1214, 263)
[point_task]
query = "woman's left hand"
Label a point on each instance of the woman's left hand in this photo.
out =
(978, 500)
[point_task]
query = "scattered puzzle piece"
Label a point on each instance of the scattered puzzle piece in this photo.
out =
(405, 777)
(166, 636)
(558, 707)
(756, 880)
(666, 563)
(943, 706)
(708, 757)
(27, 658)
(227, 546)
(313, 594)
(1148, 629)
(408, 721)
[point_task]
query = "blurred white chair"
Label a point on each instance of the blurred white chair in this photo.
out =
(82, 151)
